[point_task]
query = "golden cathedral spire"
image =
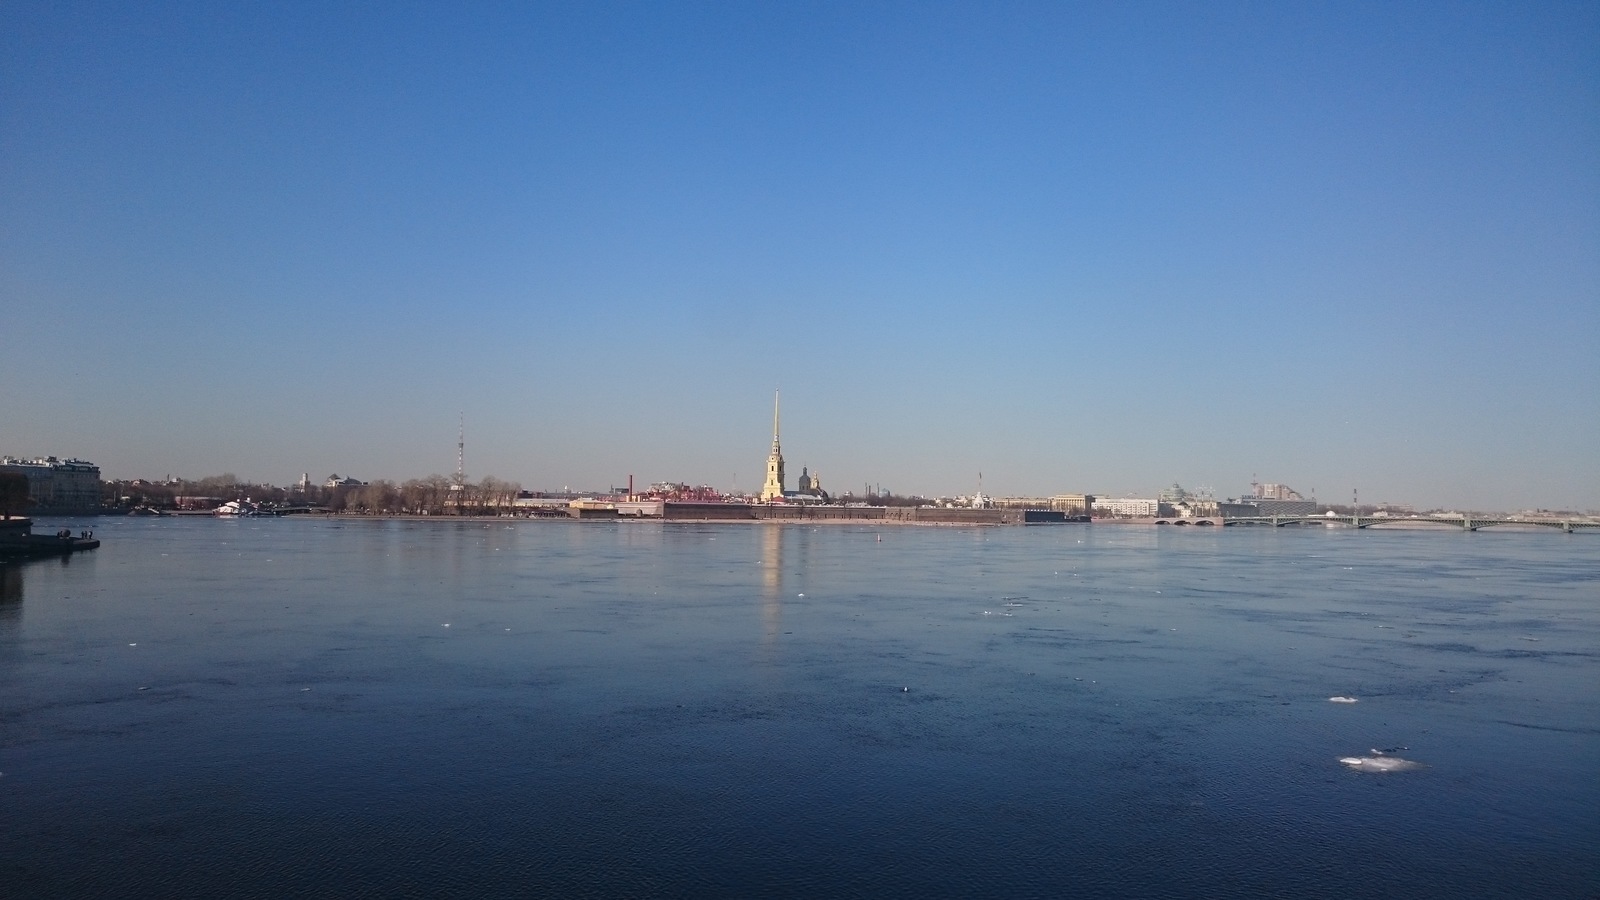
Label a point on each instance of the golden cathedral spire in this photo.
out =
(772, 488)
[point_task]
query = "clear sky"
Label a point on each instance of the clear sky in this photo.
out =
(1076, 247)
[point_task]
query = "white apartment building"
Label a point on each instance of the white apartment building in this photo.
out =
(1131, 507)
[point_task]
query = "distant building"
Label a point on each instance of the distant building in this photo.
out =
(1270, 507)
(809, 483)
(1269, 499)
(1272, 491)
(334, 481)
(58, 485)
(1020, 503)
(1192, 508)
(681, 491)
(1071, 504)
(1125, 507)
(1174, 494)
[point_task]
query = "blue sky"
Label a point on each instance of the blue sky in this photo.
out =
(1075, 247)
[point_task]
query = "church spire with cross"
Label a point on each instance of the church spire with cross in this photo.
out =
(772, 488)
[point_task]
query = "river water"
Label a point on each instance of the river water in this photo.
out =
(276, 707)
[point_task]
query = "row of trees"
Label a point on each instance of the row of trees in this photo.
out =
(165, 494)
(433, 495)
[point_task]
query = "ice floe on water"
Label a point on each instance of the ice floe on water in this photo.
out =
(1379, 763)
(1343, 700)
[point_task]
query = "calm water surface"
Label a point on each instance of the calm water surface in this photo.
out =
(282, 707)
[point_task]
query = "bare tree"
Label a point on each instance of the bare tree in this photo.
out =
(492, 495)
(425, 496)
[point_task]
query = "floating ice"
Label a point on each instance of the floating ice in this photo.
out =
(1379, 763)
(1343, 700)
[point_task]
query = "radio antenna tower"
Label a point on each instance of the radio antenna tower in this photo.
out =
(461, 454)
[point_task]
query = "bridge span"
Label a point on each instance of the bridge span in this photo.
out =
(1466, 523)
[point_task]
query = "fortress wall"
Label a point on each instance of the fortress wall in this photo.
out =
(909, 515)
(706, 512)
(820, 513)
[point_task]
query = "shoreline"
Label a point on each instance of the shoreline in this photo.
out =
(882, 516)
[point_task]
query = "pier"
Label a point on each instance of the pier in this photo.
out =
(17, 541)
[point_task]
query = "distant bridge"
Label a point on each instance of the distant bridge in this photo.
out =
(1465, 523)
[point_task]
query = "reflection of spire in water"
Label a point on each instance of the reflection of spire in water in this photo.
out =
(771, 582)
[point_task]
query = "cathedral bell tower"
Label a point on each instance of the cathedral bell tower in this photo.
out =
(772, 489)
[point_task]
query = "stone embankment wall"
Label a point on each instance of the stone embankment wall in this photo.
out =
(819, 513)
(740, 512)
(707, 512)
(1164, 520)
(929, 515)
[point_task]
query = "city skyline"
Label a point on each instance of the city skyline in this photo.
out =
(1341, 246)
(775, 481)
